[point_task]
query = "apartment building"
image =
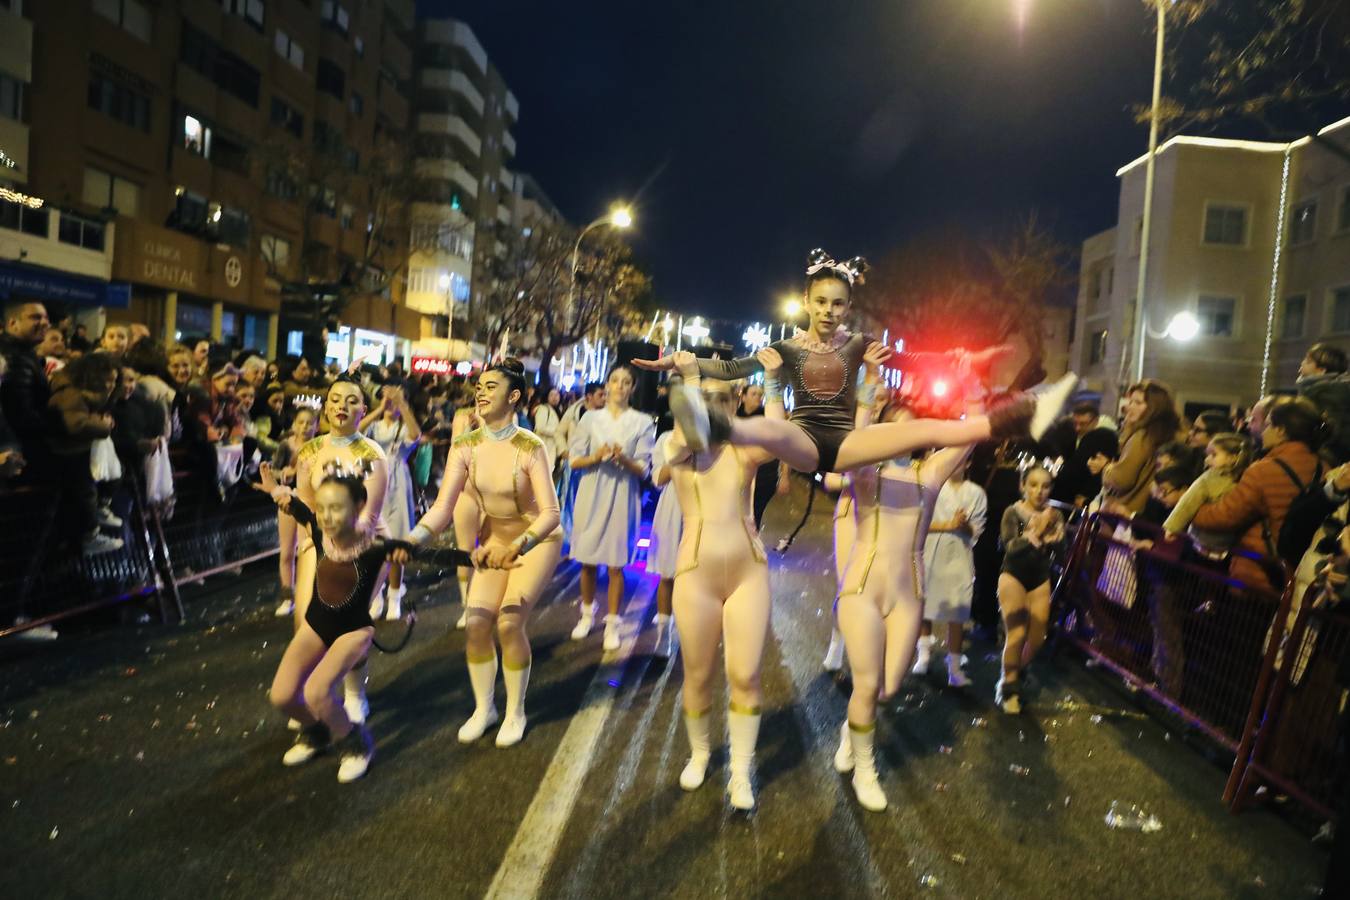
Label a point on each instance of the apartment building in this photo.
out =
(177, 126)
(530, 205)
(464, 112)
(1250, 237)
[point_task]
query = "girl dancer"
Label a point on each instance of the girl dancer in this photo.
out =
(336, 632)
(611, 450)
(394, 427)
(665, 542)
(949, 562)
(344, 449)
(1029, 532)
(505, 468)
(303, 426)
(881, 604)
(822, 365)
(721, 591)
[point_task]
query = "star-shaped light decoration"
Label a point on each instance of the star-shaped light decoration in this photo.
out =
(756, 337)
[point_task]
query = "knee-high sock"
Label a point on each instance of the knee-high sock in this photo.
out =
(698, 727)
(743, 725)
(483, 678)
(863, 739)
(517, 681)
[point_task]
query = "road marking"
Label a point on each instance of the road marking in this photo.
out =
(526, 862)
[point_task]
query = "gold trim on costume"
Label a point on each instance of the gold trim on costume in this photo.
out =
(743, 710)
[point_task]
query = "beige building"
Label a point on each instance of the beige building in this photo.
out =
(1261, 293)
(464, 111)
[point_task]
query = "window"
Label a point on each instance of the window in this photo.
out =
(352, 159)
(276, 252)
(251, 10)
(1303, 222)
(21, 217)
(1343, 211)
(288, 117)
(232, 226)
(236, 77)
(345, 219)
(121, 103)
(325, 136)
(196, 136)
(335, 16)
(330, 78)
(1225, 225)
(356, 104)
(231, 155)
(324, 200)
(11, 97)
(190, 211)
(289, 49)
(1295, 311)
(131, 15)
(1340, 309)
(281, 184)
(1217, 316)
(428, 281)
(109, 192)
(360, 46)
(198, 51)
(80, 231)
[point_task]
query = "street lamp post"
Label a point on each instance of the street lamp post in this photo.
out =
(619, 217)
(1140, 309)
(445, 283)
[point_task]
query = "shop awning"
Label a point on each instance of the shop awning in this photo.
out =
(40, 283)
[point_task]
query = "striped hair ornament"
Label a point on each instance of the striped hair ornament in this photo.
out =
(852, 270)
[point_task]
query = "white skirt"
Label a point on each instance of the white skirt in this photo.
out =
(667, 523)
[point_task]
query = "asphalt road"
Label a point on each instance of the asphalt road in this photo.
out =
(145, 762)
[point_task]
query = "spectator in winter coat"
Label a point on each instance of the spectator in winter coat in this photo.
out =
(1150, 421)
(1076, 483)
(25, 390)
(80, 401)
(11, 456)
(1207, 426)
(1261, 500)
(1322, 380)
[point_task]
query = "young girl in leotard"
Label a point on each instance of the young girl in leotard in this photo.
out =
(881, 601)
(283, 463)
(1030, 531)
(344, 449)
(505, 468)
(393, 426)
(611, 452)
(336, 631)
(822, 366)
(721, 592)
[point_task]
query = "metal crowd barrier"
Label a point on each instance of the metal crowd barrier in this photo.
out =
(1215, 651)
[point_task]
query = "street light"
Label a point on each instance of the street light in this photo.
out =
(619, 216)
(792, 308)
(444, 282)
(1183, 328)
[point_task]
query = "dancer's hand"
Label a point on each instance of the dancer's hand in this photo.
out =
(495, 557)
(664, 364)
(771, 360)
(875, 356)
(685, 363)
(267, 482)
(399, 552)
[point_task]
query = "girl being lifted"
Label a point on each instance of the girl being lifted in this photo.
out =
(822, 367)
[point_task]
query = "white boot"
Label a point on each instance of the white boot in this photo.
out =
(664, 637)
(513, 726)
(463, 621)
(394, 602)
(865, 784)
(697, 727)
(612, 623)
(586, 623)
(955, 677)
(843, 757)
(483, 678)
(743, 728)
(354, 693)
(923, 654)
(834, 655)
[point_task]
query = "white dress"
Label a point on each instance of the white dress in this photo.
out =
(545, 427)
(398, 511)
(608, 508)
(949, 556)
(667, 521)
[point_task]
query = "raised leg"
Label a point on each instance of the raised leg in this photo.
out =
(878, 443)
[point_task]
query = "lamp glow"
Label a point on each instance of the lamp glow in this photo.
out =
(444, 281)
(792, 306)
(621, 217)
(1183, 328)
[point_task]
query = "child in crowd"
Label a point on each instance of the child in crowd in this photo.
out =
(1226, 458)
(303, 427)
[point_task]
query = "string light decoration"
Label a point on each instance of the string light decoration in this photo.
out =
(1275, 271)
(756, 337)
(27, 200)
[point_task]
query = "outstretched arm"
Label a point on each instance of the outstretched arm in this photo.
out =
(726, 370)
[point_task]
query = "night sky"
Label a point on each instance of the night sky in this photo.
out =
(751, 131)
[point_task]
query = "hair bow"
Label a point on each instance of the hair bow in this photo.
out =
(852, 270)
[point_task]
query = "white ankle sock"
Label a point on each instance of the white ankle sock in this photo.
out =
(516, 681)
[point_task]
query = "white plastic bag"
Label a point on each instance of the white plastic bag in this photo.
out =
(229, 463)
(158, 477)
(1118, 581)
(103, 462)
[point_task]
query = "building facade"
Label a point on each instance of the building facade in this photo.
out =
(464, 112)
(228, 146)
(1250, 237)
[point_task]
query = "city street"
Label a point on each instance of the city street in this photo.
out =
(145, 762)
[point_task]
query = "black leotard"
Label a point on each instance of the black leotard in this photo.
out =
(342, 590)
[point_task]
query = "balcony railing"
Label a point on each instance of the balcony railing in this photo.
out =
(441, 123)
(454, 80)
(449, 170)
